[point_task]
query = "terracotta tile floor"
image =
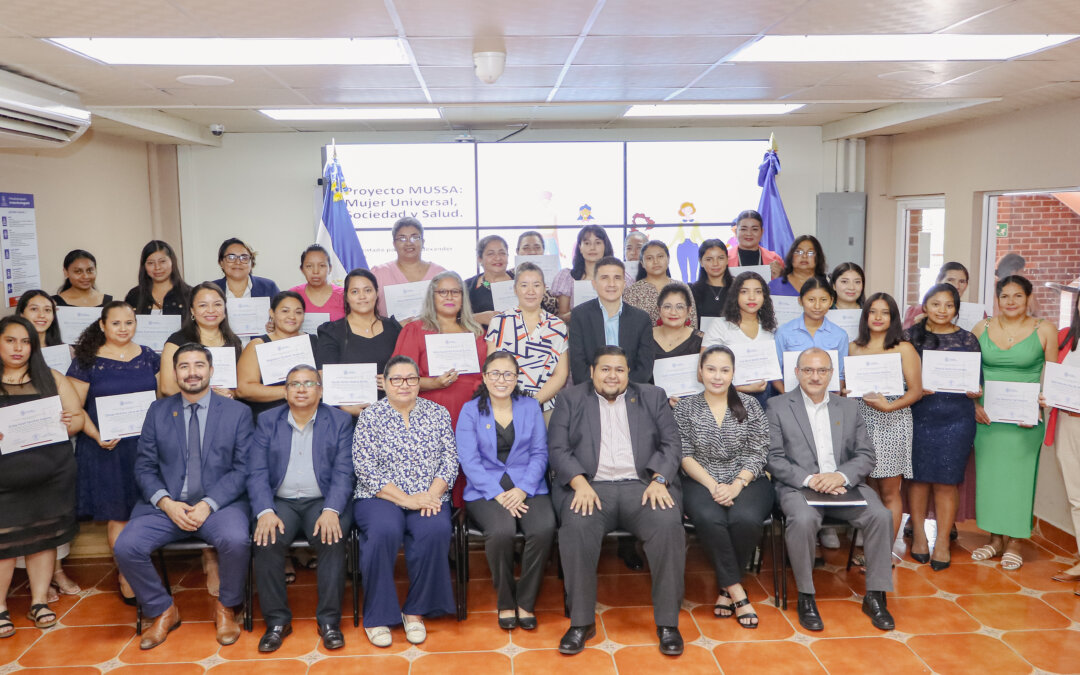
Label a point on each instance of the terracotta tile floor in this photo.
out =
(972, 617)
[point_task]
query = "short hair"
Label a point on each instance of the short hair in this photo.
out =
(229, 242)
(407, 221)
(529, 233)
(609, 350)
(192, 347)
(304, 366)
(636, 233)
(283, 295)
(609, 260)
(673, 288)
(314, 248)
(399, 359)
(813, 350)
(485, 241)
(529, 267)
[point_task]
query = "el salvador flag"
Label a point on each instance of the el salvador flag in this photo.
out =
(336, 233)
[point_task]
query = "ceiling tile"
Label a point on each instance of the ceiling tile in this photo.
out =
(841, 17)
(520, 51)
(32, 51)
(1026, 17)
(234, 120)
(490, 18)
(732, 93)
(674, 76)
(145, 97)
(613, 94)
(244, 77)
(288, 18)
(100, 18)
(690, 17)
(488, 114)
(769, 74)
(856, 92)
(232, 96)
(345, 76)
(655, 50)
(519, 76)
(492, 94)
(342, 96)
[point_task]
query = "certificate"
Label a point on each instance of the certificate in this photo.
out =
(503, 298)
(678, 375)
(874, 373)
(631, 267)
(277, 357)
(763, 271)
(73, 320)
(451, 351)
(786, 308)
(30, 424)
(122, 415)
(1061, 386)
(248, 316)
(848, 319)
(313, 320)
(791, 381)
(956, 372)
(404, 301)
(755, 362)
(548, 264)
(350, 383)
(1011, 402)
(153, 330)
(706, 321)
(583, 291)
(57, 357)
(970, 314)
(224, 367)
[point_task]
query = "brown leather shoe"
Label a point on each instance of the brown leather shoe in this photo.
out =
(166, 622)
(228, 631)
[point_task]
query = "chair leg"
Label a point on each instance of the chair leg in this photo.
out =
(355, 549)
(138, 619)
(851, 549)
(249, 595)
(164, 571)
(782, 545)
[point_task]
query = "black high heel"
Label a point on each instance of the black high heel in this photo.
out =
(938, 565)
(921, 558)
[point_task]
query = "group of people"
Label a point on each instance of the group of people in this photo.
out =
(560, 432)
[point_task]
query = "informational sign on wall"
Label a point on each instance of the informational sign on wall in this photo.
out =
(18, 243)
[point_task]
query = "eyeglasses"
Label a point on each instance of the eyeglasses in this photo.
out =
(301, 384)
(673, 308)
(238, 257)
(408, 239)
(808, 253)
(505, 376)
(411, 380)
(815, 371)
(448, 292)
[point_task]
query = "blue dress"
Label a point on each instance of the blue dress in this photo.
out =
(106, 488)
(944, 422)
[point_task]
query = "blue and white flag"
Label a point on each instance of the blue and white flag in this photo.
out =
(336, 233)
(776, 232)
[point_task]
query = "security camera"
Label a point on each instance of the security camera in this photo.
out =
(217, 129)
(489, 65)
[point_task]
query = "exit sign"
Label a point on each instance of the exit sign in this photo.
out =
(1002, 229)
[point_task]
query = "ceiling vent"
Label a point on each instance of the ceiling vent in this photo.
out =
(37, 115)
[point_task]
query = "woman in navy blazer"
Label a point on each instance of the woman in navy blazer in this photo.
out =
(236, 260)
(502, 447)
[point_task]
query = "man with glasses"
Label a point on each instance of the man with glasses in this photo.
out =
(300, 484)
(819, 451)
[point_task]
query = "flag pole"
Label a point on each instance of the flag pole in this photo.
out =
(333, 146)
(772, 142)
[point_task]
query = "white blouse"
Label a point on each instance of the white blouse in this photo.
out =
(723, 332)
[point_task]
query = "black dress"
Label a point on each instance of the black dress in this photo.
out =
(691, 345)
(60, 302)
(259, 407)
(709, 299)
(37, 491)
(338, 344)
(175, 301)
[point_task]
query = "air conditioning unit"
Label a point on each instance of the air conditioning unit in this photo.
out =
(37, 115)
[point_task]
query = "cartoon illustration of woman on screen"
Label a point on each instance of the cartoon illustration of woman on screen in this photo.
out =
(687, 211)
(585, 213)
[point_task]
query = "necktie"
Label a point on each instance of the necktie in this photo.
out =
(194, 457)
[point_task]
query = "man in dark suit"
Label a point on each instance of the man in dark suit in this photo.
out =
(190, 466)
(819, 445)
(301, 483)
(615, 455)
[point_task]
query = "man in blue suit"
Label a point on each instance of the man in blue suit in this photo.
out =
(300, 484)
(190, 467)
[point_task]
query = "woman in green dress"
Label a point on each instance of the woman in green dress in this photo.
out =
(1014, 348)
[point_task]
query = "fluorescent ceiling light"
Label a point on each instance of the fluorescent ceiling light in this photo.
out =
(347, 114)
(710, 109)
(238, 51)
(933, 47)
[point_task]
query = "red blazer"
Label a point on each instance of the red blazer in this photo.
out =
(767, 257)
(1051, 422)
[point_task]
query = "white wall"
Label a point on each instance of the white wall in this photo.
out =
(260, 187)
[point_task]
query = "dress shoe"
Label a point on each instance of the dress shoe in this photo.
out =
(808, 614)
(873, 606)
(331, 635)
(167, 621)
(939, 565)
(671, 642)
(273, 637)
(527, 622)
(628, 553)
(921, 558)
(573, 641)
(228, 631)
(829, 539)
(508, 622)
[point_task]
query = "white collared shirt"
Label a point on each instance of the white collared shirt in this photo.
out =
(821, 429)
(616, 460)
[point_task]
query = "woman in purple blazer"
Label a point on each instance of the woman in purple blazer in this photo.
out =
(502, 447)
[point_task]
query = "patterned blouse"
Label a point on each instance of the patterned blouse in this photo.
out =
(538, 353)
(643, 295)
(385, 451)
(729, 449)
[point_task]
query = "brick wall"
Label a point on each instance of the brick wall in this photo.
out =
(914, 227)
(1047, 234)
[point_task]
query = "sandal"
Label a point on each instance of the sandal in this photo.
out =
(743, 618)
(42, 610)
(985, 552)
(729, 607)
(1011, 561)
(64, 584)
(7, 628)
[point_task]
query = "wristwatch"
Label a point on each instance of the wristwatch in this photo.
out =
(657, 478)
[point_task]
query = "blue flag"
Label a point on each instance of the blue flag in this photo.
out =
(336, 232)
(776, 230)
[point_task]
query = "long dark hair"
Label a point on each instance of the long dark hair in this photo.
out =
(93, 337)
(577, 270)
(355, 274)
(703, 276)
(52, 333)
(766, 316)
(920, 337)
(144, 299)
(482, 395)
(734, 403)
(189, 328)
(1074, 327)
(641, 273)
(819, 255)
(72, 256)
(850, 267)
(894, 334)
(40, 376)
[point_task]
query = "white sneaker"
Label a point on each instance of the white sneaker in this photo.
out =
(829, 539)
(415, 632)
(379, 636)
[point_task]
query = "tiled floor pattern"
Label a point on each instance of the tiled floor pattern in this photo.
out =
(971, 618)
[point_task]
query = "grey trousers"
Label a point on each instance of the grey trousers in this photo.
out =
(499, 527)
(661, 531)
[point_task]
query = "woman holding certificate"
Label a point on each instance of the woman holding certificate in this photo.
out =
(725, 442)
(318, 294)
(713, 281)
(492, 254)
(206, 324)
(408, 236)
(37, 483)
(1015, 346)
(652, 278)
(805, 260)
(108, 363)
(592, 244)
(161, 288)
(944, 427)
(888, 418)
(811, 329)
(502, 447)
(747, 318)
(236, 260)
(531, 242)
(849, 282)
(80, 275)
(286, 320)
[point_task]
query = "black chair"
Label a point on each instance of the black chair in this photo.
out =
(773, 528)
(827, 521)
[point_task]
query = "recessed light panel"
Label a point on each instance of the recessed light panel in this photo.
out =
(710, 109)
(931, 47)
(238, 51)
(347, 114)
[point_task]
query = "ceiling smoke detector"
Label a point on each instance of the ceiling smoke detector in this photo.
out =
(489, 65)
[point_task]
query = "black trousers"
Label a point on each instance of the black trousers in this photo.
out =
(299, 516)
(499, 527)
(729, 534)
